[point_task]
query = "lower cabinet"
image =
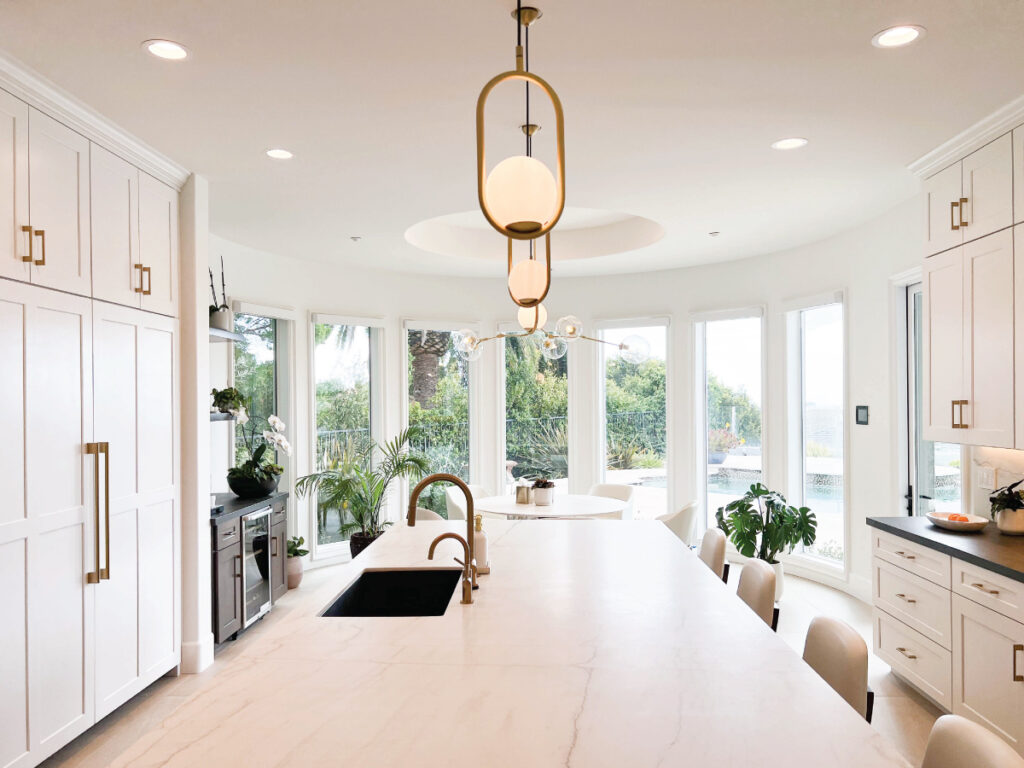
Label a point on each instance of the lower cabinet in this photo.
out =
(278, 560)
(988, 669)
(227, 586)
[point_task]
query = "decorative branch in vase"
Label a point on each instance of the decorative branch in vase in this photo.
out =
(220, 315)
(259, 475)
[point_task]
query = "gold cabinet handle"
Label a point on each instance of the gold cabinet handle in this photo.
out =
(138, 288)
(104, 449)
(963, 202)
(904, 598)
(986, 591)
(149, 281)
(30, 258)
(1018, 648)
(42, 241)
(906, 653)
(952, 215)
(905, 556)
(92, 449)
(952, 416)
(962, 403)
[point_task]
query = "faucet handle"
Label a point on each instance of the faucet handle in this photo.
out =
(474, 568)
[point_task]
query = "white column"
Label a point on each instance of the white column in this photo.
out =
(196, 630)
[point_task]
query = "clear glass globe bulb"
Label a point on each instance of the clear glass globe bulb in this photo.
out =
(634, 349)
(521, 193)
(553, 347)
(569, 327)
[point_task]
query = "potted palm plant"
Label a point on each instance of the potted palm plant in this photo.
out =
(761, 524)
(359, 488)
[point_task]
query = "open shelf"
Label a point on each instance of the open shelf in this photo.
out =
(216, 334)
(221, 416)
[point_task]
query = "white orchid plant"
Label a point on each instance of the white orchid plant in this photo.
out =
(261, 464)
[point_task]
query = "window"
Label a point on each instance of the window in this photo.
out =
(256, 374)
(936, 476)
(536, 413)
(344, 411)
(634, 406)
(822, 411)
(731, 381)
(438, 408)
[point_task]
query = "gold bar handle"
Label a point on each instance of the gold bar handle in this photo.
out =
(138, 288)
(963, 202)
(1017, 677)
(149, 281)
(952, 215)
(986, 591)
(905, 556)
(952, 415)
(961, 424)
(104, 448)
(238, 566)
(92, 449)
(42, 241)
(905, 653)
(904, 598)
(30, 258)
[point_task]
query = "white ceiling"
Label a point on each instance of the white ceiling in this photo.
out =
(670, 108)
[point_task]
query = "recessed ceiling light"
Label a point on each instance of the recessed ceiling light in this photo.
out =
(279, 154)
(792, 143)
(166, 49)
(894, 37)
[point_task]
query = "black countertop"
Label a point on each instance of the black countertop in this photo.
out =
(236, 507)
(987, 548)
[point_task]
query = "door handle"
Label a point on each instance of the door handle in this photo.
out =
(905, 653)
(138, 288)
(1018, 648)
(92, 449)
(30, 258)
(238, 566)
(149, 281)
(986, 591)
(273, 546)
(42, 241)
(963, 202)
(952, 215)
(962, 403)
(104, 449)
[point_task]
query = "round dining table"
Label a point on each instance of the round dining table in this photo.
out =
(564, 506)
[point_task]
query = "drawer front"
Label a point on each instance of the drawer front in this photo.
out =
(922, 662)
(227, 533)
(984, 587)
(926, 563)
(917, 602)
(279, 513)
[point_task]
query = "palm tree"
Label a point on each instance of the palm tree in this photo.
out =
(426, 348)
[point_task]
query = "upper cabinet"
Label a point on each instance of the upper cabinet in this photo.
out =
(14, 239)
(158, 235)
(1018, 175)
(970, 199)
(116, 270)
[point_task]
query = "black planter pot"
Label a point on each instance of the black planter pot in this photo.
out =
(360, 541)
(251, 488)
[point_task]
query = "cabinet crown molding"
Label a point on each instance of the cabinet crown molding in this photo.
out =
(22, 82)
(1002, 121)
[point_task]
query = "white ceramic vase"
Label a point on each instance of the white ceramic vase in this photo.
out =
(779, 581)
(223, 319)
(543, 497)
(1011, 521)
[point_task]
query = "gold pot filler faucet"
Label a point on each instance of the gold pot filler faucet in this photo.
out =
(469, 566)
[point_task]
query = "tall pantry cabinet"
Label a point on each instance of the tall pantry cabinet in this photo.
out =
(89, 413)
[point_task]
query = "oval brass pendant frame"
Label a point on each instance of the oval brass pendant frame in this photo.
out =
(547, 274)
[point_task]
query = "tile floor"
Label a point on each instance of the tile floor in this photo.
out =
(904, 717)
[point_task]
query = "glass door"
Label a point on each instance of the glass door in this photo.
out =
(256, 564)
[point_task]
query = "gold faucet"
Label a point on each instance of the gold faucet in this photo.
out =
(468, 571)
(441, 477)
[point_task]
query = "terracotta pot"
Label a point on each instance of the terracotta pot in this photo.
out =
(294, 572)
(1011, 521)
(251, 488)
(360, 541)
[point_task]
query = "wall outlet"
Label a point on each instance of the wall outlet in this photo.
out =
(986, 478)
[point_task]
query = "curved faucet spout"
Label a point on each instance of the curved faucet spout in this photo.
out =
(468, 567)
(443, 477)
(449, 535)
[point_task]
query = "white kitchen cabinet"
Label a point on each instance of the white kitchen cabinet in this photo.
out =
(943, 345)
(1018, 175)
(988, 669)
(14, 241)
(942, 210)
(59, 205)
(135, 414)
(158, 231)
(987, 198)
(116, 269)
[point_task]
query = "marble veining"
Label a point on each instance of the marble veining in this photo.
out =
(591, 643)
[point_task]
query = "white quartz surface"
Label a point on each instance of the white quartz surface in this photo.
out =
(591, 643)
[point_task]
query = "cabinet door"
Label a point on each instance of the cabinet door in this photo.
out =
(943, 342)
(942, 210)
(988, 189)
(14, 243)
(47, 541)
(114, 213)
(1018, 334)
(58, 169)
(227, 606)
(986, 654)
(158, 233)
(1018, 175)
(988, 341)
(278, 560)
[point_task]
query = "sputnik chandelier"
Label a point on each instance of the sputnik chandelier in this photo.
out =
(522, 200)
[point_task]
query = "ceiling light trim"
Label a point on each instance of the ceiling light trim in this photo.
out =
(876, 39)
(989, 128)
(29, 86)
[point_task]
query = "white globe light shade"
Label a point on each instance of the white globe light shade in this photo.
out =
(634, 349)
(521, 193)
(553, 347)
(527, 281)
(569, 327)
(527, 315)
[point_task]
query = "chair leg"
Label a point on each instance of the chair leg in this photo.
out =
(775, 619)
(725, 573)
(871, 704)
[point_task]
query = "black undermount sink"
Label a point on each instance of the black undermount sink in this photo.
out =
(397, 593)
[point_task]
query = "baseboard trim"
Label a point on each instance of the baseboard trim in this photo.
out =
(197, 656)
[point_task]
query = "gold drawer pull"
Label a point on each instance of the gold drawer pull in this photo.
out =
(42, 241)
(963, 202)
(986, 591)
(149, 281)
(904, 598)
(138, 288)
(905, 556)
(30, 258)
(905, 653)
(1018, 648)
(952, 215)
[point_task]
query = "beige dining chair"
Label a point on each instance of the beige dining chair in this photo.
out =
(956, 742)
(712, 550)
(681, 522)
(422, 513)
(839, 655)
(455, 502)
(757, 589)
(616, 491)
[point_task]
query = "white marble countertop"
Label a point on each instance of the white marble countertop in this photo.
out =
(563, 505)
(591, 643)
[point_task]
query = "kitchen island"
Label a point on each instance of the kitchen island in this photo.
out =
(590, 643)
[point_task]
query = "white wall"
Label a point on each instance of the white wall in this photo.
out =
(859, 262)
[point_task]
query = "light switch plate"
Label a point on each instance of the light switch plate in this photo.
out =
(986, 478)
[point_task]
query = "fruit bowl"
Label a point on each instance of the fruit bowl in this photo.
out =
(971, 523)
